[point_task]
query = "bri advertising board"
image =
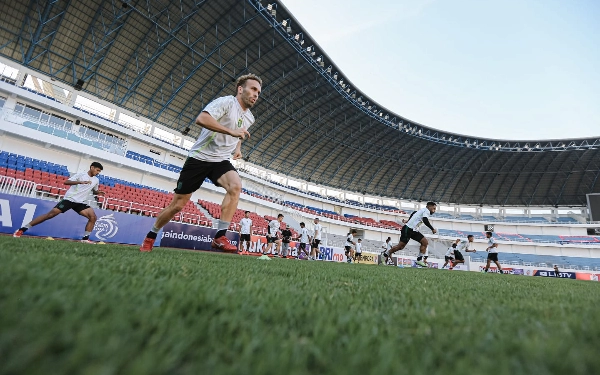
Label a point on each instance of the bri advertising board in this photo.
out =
(113, 227)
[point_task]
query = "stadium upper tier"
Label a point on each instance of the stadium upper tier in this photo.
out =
(166, 60)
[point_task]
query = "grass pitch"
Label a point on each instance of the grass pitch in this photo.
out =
(71, 308)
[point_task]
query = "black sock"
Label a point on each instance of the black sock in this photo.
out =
(419, 258)
(85, 238)
(221, 233)
(24, 229)
(151, 235)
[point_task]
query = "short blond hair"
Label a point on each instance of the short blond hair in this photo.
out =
(241, 81)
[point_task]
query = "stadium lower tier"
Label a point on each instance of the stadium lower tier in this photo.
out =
(126, 196)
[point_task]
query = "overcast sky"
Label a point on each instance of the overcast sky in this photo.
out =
(510, 69)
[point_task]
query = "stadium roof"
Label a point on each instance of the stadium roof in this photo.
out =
(165, 60)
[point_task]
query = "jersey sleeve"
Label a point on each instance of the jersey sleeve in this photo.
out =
(219, 107)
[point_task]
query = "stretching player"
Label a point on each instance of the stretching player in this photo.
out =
(80, 186)
(225, 122)
(408, 232)
(492, 250)
(272, 239)
(349, 243)
(316, 240)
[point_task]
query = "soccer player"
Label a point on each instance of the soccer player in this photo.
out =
(303, 240)
(467, 246)
(245, 231)
(449, 256)
(386, 247)
(349, 243)
(272, 239)
(358, 254)
(80, 186)
(492, 250)
(409, 232)
(316, 239)
(225, 122)
(286, 235)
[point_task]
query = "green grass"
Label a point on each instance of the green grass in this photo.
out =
(70, 308)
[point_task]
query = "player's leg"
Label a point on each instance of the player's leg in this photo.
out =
(232, 183)
(487, 267)
(89, 214)
(177, 203)
(422, 249)
(57, 210)
(498, 265)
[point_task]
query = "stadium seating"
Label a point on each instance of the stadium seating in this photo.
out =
(151, 161)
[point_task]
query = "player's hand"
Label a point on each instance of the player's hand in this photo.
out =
(434, 231)
(237, 154)
(240, 133)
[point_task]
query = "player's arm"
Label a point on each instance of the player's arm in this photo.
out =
(428, 224)
(75, 182)
(208, 122)
(237, 154)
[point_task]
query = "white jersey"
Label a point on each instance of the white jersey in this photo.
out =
(317, 230)
(245, 225)
(303, 235)
(417, 219)
(358, 247)
(465, 245)
(491, 247)
(274, 227)
(213, 146)
(388, 245)
(79, 193)
(349, 240)
(450, 252)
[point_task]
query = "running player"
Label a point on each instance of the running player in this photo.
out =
(386, 247)
(225, 122)
(492, 250)
(303, 240)
(408, 232)
(316, 239)
(358, 254)
(245, 231)
(449, 256)
(80, 186)
(349, 243)
(467, 246)
(272, 239)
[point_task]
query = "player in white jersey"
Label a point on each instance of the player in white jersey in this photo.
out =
(316, 239)
(304, 240)
(349, 244)
(273, 230)
(358, 253)
(245, 231)
(449, 256)
(466, 246)
(410, 231)
(492, 250)
(225, 122)
(81, 184)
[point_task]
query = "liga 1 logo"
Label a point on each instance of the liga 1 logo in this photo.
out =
(106, 227)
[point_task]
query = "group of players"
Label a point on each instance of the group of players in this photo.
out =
(278, 240)
(224, 124)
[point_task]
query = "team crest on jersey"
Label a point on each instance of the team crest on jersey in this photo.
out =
(239, 123)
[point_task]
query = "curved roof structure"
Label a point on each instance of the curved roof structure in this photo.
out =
(165, 60)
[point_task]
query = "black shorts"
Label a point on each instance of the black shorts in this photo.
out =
(493, 257)
(315, 243)
(271, 239)
(195, 171)
(447, 258)
(407, 234)
(358, 254)
(66, 205)
(458, 256)
(244, 237)
(348, 248)
(302, 246)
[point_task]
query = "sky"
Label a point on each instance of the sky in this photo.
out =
(525, 70)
